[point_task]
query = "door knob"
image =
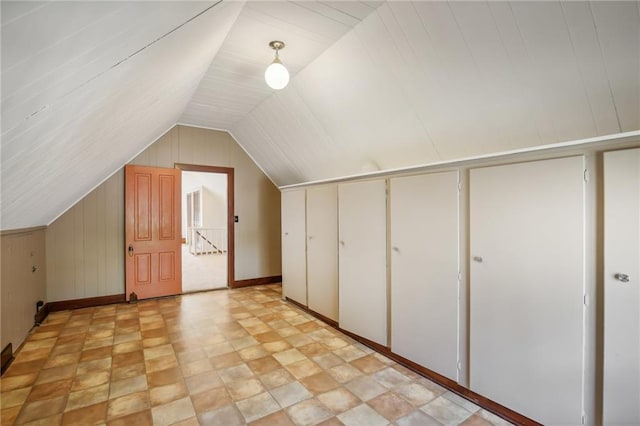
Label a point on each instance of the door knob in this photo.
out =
(130, 250)
(624, 278)
(478, 259)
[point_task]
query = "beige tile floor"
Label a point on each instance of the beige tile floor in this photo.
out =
(204, 271)
(228, 357)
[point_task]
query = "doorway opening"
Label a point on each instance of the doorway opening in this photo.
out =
(207, 227)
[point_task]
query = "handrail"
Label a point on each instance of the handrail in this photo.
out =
(203, 240)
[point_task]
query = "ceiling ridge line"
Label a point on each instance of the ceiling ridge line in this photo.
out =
(293, 77)
(300, 4)
(120, 62)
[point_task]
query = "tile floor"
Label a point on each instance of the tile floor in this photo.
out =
(228, 357)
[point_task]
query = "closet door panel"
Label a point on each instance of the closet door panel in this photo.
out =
(424, 270)
(527, 287)
(294, 269)
(322, 250)
(362, 259)
(621, 288)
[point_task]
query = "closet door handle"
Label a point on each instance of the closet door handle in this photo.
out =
(130, 250)
(623, 278)
(478, 259)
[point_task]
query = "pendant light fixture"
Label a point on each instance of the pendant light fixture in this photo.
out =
(276, 75)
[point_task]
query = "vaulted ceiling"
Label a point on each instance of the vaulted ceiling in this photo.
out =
(375, 85)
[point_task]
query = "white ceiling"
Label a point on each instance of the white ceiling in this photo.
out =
(234, 84)
(422, 82)
(88, 85)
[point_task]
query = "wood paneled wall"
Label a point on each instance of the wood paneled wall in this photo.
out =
(22, 287)
(85, 246)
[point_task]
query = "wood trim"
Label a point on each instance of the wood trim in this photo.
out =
(321, 317)
(486, 403)
(257, 281)
(6, 232)
(41, 315)
(231, 240)
(6, 358)
(84, 303)
(453, 386)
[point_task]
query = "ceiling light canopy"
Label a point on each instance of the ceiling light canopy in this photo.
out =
(276, 75)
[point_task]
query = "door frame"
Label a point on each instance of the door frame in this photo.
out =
(153, 245)
(229, 171)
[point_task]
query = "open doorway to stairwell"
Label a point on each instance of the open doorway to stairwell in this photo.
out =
(206, 252)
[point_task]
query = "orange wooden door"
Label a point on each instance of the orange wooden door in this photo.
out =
(152, 232)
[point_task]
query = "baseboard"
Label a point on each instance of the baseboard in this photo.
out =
(88, 302)
(6, 358)
(257, 281)
(42, 314)
(321, 317)
(453, 386)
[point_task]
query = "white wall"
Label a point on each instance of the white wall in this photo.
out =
(214, 198)
(22, 287)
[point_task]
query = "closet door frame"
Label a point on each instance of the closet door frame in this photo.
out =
(527, 322)
(621, 349)
(363, 281)
(425, 270)
(294, 249)
(322, 250)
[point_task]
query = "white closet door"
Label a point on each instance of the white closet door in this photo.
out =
(294, 263)
(424, 270)
(363, 259)
(621, 405)
(527, 287)
(322, 250)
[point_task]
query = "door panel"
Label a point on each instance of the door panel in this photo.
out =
(621, 296)
(152, 208)
(142, 199)
(424, 270)
(294, 263)
(143, 268)
(527, 287)
(322, 250)
(362, 252)
(168, 230)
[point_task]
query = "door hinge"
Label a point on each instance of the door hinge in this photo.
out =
(459, 366)
(585, 299)
(459, 186)
(586, 175)
(584, 419)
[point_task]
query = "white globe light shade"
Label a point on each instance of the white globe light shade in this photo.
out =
(276, 75)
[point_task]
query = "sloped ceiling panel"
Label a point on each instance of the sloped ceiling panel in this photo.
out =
(420, 82)
(87, 85)
(234, 84)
